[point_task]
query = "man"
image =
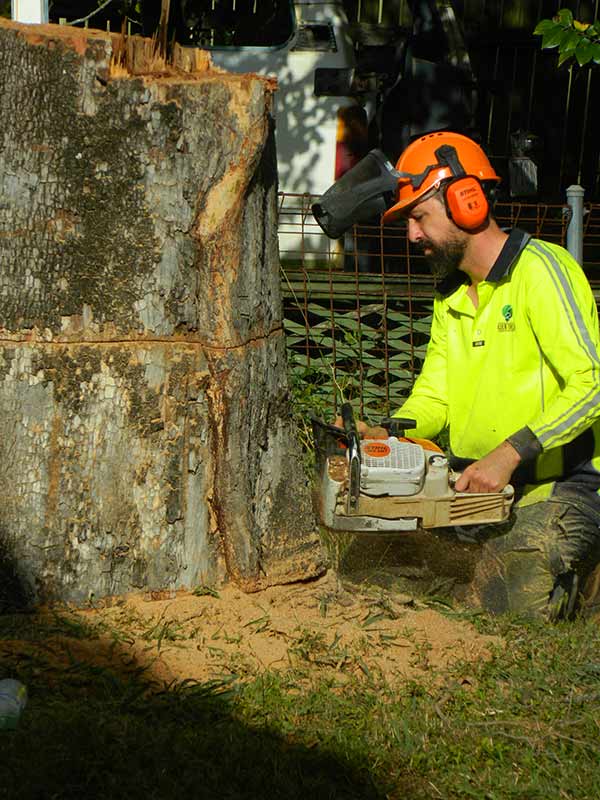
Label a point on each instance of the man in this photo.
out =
(513, 372)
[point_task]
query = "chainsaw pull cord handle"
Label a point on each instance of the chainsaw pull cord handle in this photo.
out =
(353, 454)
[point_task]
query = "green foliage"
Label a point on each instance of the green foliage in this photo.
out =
(575, 40)
(205, 591)
(312, 394)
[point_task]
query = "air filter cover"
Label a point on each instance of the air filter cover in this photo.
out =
(391, 467)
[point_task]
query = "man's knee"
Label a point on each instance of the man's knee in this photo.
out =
(537, 567)
(529, 580)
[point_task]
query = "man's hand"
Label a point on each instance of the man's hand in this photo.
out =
(364, 430)
(492, 472)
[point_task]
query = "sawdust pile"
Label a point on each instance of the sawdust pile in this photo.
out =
(316, 628)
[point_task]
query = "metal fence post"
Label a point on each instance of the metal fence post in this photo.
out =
(575, 228)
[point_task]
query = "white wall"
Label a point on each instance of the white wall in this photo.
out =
(35, 11)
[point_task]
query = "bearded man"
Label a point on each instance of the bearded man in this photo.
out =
(512, 372)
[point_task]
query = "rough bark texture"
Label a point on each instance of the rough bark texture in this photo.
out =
(144, 431)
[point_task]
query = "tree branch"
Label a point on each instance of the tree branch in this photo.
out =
(91, 14)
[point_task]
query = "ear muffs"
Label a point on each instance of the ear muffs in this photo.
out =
(466, 203)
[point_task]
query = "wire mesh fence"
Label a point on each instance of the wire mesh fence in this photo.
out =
(357, 311)
(591, 243)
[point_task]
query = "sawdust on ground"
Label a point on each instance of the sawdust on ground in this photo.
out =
(318, 627)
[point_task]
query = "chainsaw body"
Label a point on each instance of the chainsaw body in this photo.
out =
(393, 484)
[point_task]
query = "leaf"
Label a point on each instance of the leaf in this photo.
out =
(584, 52)
(564, 56)
(202, 591)
(570, 42)
(261, 622)
(544, 26)
(434, 600)
(363, 667)
(565, 16)
(373, 618)
(554, 38)
(581, 26)
(596, 53)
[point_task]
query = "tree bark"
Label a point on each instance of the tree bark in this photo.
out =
(145, 438)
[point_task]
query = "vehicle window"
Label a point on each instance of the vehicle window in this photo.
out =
(234, 23)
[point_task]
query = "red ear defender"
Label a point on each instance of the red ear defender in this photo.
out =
(466, 203)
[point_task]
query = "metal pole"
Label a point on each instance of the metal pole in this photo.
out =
(496, 67)
(575, 228)
(586, 110)
(563, 148)
(32, 11)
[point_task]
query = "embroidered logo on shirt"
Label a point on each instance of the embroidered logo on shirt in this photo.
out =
(507, 313)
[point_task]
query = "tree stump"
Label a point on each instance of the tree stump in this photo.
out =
(145, 437)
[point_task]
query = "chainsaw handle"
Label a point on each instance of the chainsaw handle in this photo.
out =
(326, 426)
(348, 421)
(353, 455)
(396, 426)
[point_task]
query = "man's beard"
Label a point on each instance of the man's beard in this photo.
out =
(443, 259)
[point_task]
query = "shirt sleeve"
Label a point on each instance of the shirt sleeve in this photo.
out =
(563, 316)
(427, 403)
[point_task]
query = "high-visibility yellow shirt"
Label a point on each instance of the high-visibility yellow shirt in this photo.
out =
(524, 363)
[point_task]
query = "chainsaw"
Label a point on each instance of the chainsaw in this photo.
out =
(393, 484)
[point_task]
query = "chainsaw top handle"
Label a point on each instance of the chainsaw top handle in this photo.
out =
(396, 426)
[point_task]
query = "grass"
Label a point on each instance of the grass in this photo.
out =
(524, 725)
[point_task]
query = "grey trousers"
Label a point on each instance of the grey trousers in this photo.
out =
(539, 562)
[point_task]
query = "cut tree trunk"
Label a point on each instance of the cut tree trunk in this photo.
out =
(145, 438)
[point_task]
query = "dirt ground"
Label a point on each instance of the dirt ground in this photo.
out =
(321, 627)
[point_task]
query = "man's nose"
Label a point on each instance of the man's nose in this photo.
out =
(415, 233)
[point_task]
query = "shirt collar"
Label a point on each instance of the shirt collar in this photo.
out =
(511, 250)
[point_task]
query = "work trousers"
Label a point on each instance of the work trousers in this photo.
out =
(541, 563)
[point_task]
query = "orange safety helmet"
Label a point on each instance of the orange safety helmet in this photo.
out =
(451, 160)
